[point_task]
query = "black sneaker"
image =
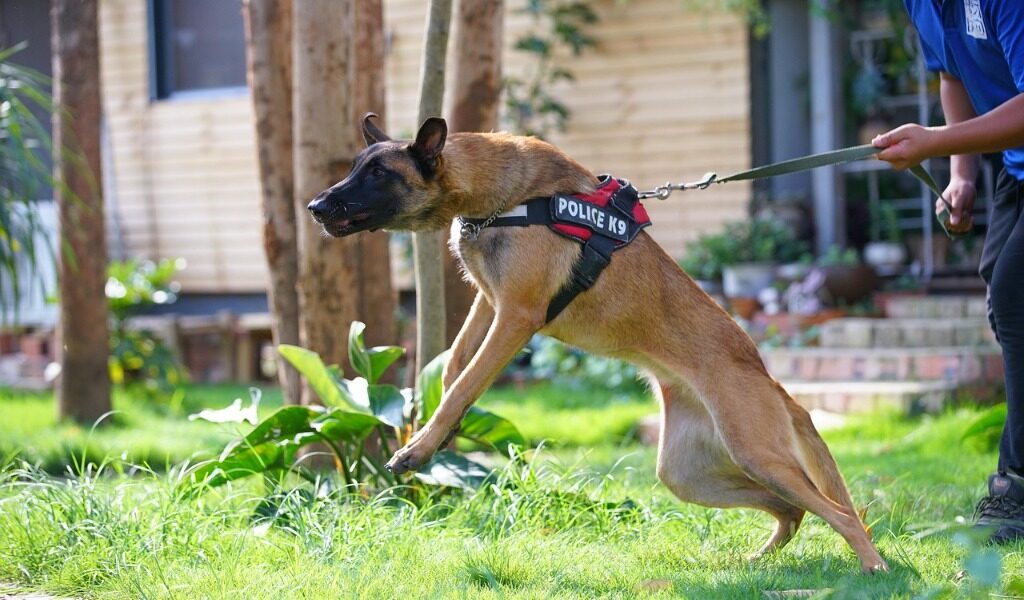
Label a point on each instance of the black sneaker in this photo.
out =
(1002, 511)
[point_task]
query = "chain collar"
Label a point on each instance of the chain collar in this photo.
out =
(471, 231)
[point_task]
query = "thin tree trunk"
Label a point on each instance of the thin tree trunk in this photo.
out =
(268, 33)
(428, 248)
(83, 389)
(479, 26)
(377, 297)
(325, 142)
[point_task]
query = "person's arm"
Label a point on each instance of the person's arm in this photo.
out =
(963, 137)
(994, 131)
(957, 108)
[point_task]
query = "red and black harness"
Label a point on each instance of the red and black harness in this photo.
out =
(602, 222)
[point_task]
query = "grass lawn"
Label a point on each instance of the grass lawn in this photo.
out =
(586, 518)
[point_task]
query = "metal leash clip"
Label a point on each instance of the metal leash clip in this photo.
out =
(662, 192)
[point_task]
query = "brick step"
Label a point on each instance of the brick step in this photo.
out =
(867, 396)
(964, 365)
(936, 307)
(906, 332)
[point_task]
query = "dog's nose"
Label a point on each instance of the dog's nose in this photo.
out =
(318, 209)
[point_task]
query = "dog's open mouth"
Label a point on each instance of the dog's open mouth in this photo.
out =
(355, 223)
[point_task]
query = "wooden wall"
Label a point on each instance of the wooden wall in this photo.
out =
(665, 95)
(186, 181)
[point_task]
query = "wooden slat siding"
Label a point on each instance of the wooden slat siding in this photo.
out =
(185, 169)
(664, 96)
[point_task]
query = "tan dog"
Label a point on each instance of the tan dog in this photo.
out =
(730, 436)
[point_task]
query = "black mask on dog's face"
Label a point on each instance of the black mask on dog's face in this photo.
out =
(390, 185)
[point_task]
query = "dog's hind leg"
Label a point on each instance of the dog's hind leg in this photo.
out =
(751, 415)
(695, 465)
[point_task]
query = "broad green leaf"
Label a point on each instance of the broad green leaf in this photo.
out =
(373, 362)
(283, 425)
(357, 350)
(430, 387)
(244, 461)
(993, 418)
(487, 428)
(339, 425)
(273, 444)
(985, 566)
(233, 413)
(325, 381)
(452, 470)
(230, 414)
(382, 357)
(387, 403)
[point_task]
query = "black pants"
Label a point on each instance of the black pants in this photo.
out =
(1002, 268)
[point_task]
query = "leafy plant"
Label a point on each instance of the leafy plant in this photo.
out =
(984, 431)
(885, 223)
(354, 410)
(24, 175)
(138, 357)
(748, 241)
(551, 359)
(835, 256)
(752, 10)
(531, 109)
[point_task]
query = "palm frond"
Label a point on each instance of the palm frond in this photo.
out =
(24, 174)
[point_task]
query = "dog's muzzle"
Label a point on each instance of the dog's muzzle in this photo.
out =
(340, 219)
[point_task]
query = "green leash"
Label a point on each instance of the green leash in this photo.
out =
(804, 163)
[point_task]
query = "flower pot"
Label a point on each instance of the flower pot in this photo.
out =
(885, 254)
(710, 286)
(744, 308)
(794, 271)
(747, 279)
(850, 283)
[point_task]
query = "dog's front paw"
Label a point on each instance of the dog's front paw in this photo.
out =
(879, 567)
(407, 459)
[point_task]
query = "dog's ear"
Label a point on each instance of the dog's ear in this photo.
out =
(429, 142)
(371, 133)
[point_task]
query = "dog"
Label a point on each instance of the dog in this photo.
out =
(731, 436)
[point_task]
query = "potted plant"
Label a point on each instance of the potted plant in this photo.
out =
(886, 253)
(847, 280)
(705, 258)
(760, 245)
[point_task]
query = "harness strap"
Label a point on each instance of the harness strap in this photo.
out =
(594, 256)
(601, 222)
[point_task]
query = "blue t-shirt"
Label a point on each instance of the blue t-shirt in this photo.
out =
(981, 43)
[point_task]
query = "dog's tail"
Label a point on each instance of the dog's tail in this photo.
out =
(816, 459)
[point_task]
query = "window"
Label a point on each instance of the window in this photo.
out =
(198, 46)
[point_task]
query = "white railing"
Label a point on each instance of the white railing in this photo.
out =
(37, 280)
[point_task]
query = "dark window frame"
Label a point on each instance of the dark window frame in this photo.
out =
(161, 60)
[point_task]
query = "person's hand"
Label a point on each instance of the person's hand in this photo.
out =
(961, 194)
(905, 146)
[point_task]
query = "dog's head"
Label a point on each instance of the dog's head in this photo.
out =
(393, 184)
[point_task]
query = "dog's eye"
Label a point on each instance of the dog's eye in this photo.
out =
(378, 172)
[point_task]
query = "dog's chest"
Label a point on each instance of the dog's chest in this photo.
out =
(482, 258)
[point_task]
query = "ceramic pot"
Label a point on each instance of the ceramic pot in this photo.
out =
(746, 280)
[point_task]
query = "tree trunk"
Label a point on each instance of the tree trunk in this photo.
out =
(83, 389)
(325, 142)
(268, 34)
(377, 297)
(428, 248)
(477, 95)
